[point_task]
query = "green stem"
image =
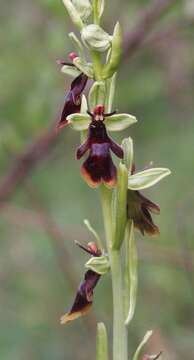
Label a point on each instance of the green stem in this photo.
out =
(119, 329)
(96, 58)
(95, 12)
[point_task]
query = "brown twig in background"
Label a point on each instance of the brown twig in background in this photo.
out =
(26, 162)
(157, 254)
(56, 235)
(41, 147)
(147, 18)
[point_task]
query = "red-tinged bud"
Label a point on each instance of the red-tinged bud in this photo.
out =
(73, 56)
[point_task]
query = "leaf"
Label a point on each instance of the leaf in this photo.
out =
(96, 94)
(141, 345)
(94, 233)
(101, 342)
(127, 145)
(70, 70)
(131, 271)
(147, 178)
(119, 122)
(98, 264)
(79, 121)
(120, 206)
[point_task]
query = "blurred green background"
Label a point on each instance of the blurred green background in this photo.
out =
(40, 266)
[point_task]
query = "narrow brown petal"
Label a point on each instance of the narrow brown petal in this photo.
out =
(82, 149)
(116, 149)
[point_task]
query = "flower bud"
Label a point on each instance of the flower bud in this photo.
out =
(96, 38)
(115, 55)
(83, 7)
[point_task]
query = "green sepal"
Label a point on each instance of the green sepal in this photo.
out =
(147, 178)
(79, 121)
(84, 67)
(94, 233)
(141, 345)
(95, 38)
(70, 70)
(121, 206)
(101, 342)
(131, 275)
(127, 145)
(114, 59)
(96, 94)
(83, 7)
(73, 13)
(77, 44)
(98, 264)
(119, 122)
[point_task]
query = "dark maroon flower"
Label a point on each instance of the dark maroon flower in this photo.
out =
(99, 167)
(73, 97)
(138, 210)
(84, 296)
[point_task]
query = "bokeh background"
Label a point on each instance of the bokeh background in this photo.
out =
(40, 267)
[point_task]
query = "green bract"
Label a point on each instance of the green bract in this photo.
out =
(127, 145)
(101, 343)
(119, 122)
(73, 13)
(114, 58)
(141, 345)
(131, 270)
(120, 206)
(78, 45)
(147, 178)
(83, 7)
(78, 121)
(70, 70)
(99, 264)
(94, 233)
(96, 94)
(95, 38)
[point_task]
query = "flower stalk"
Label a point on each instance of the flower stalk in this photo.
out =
(123, 206)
